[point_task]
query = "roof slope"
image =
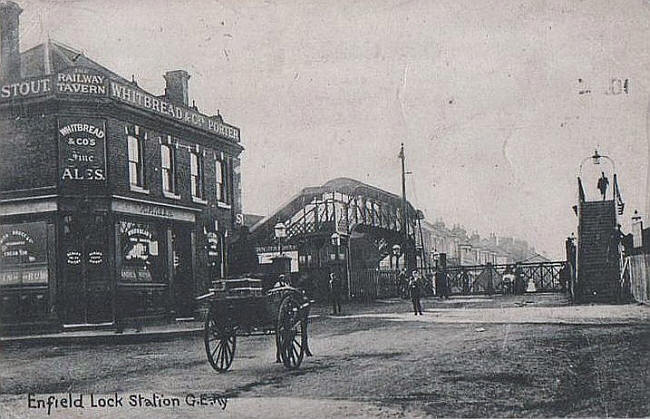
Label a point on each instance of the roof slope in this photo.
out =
(51, 57)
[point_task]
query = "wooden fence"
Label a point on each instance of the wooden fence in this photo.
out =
(635, 275)
(370, 284)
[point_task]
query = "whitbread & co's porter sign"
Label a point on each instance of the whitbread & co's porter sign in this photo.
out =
(82, 81)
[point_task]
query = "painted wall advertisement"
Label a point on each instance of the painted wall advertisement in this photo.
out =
(82, 152)
(23, 253)
(80, 81)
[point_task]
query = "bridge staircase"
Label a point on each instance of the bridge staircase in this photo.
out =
(599, 253)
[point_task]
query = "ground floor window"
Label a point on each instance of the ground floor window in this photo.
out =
(141, 252)
(23, 253)
(24, 273)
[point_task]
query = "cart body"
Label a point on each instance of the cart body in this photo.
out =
(239, 307)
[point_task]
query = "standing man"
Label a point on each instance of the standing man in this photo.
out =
(414, 289)
(519, 280)
(490, 281)
(335, 293)
(441, 284)
(464, 278)
(603, 183)
(564, 275)
(402, 284)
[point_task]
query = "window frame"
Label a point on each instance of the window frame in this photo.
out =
(168, 175)
(197, 180)
(221, 178)
(137, 166)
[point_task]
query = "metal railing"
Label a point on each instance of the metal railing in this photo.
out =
(507, 278)
(371, 284)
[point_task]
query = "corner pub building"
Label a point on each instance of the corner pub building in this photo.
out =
(115, 204)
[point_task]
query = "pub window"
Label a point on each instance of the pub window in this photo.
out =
(168, 157)
(196, 175)
(136, 161)
(23, 254)
(141, 253)
(222, 185)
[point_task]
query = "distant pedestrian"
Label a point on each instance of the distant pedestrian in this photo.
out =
(490, 279)
(603, 183)
(414, 290)
(508, 280)
(519, 280)
(442, 285)
(335, 293)
(565, 276)
(464, 279)
(402, 281)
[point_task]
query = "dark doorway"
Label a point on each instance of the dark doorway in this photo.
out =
(182, 272)
(85, 287)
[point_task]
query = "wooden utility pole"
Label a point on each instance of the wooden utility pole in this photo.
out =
(405, 246)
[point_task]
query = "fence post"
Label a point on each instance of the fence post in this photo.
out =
(377, 291)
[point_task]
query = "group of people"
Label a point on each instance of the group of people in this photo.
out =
(513, 281)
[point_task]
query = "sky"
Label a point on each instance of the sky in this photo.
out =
(484, 95)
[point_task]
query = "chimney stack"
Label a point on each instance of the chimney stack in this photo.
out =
(177, 89)
(9, 41)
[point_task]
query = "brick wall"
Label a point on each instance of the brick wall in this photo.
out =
(29, 150)
(118, 179)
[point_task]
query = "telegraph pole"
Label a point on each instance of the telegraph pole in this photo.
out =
(405, 232)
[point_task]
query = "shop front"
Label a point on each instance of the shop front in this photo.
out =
(155, 260)
(100, 263)
(26, 250)
(85, 291)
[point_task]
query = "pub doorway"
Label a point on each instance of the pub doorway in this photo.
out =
(85, 290)
(183, 279)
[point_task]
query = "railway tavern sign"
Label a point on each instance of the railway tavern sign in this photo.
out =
(81, 81)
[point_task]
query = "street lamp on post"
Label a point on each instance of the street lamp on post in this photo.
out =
(280, 231)
(616, 196)
(397, 249)
(335, 239)
(595, 159)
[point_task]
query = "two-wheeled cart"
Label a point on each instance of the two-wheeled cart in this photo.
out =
(239, 307)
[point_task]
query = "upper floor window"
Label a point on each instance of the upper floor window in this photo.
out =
(222, 181)
(168, 159)
(136, 160)
(196, 175)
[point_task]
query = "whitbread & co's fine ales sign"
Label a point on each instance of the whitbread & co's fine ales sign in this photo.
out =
(82, 152)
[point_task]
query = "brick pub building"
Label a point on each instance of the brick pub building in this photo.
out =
(115, 204)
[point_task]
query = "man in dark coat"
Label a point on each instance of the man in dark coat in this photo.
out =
(442, 285)
(565, 275)
(464, 278)
(603, 183)
(414, 290)
(519, 280)
(402, 284)
(335, 293)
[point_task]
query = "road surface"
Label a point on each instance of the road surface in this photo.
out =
(502, 356)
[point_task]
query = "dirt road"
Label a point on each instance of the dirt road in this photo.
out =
(379, 360)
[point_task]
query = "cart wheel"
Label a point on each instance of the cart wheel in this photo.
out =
(291, 333)
(220, 342)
